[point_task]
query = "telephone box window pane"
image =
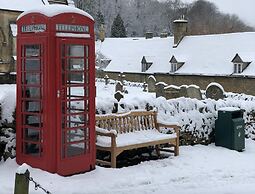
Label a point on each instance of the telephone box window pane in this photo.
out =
(32, 120)
(32, 78)
(76, 64)
(32, 92)
(32, 50)
(76, 107)
(32, 106)
(75, 77)
(76, 51)
(75, 93)
(74, 135)
(74, 121)
(32, 149)
(32, 134)
(75, 149)
(32, 64)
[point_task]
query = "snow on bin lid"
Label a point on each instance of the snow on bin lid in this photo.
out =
(53, 10)
(229, 109)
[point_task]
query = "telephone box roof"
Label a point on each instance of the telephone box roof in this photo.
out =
(53, 10)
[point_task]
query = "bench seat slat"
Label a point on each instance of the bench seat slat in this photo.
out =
(137, 137)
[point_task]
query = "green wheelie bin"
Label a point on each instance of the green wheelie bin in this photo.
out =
(229, 129)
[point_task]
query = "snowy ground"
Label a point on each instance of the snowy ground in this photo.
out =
(198, 169)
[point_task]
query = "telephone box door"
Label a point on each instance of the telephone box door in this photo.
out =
(75, 106)
(31, 134)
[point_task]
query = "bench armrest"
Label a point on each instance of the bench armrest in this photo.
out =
(105, 132)
(112, 134)
(175, 126)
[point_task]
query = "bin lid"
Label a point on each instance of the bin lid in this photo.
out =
(229, 109)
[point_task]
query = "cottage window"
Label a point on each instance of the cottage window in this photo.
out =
(174, 67)
(238, 68)
(146, 66)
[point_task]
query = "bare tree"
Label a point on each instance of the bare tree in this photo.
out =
(140, 16)
(205, 18)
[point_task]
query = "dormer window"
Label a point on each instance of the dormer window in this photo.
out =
(238, 67)
(146, 63)
(175, 65)
(240, 64)
(102, 61)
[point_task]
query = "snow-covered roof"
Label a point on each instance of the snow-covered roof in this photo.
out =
(20, 5)
(247, 57)
(202, 54)
(212, 54)
(126, 53)
(149, 59)
(24, 5)
(54, 9)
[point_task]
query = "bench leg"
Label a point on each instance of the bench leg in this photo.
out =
(176, 148)
(157, 150)
(113, 160)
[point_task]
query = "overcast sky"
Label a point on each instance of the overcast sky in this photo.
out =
(245, 9)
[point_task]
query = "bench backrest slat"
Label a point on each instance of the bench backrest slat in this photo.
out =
(128, 122)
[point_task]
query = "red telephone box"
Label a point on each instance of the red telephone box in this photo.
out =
(56, 89)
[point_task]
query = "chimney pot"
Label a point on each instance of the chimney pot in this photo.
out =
(180, 30)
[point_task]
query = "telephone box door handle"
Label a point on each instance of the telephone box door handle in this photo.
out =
(58, 93)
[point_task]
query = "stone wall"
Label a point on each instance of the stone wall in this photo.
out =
(237, 84)
(7, 43)
(134, 77)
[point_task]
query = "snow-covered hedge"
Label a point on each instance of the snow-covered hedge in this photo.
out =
(7, 143)
(7, 121)
(196, 117)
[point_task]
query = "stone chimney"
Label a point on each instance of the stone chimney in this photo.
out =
(180, 30)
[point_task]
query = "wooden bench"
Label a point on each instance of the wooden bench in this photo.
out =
(119, 132)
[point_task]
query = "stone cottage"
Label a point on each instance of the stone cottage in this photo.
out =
(9, 11)
(228, 59)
